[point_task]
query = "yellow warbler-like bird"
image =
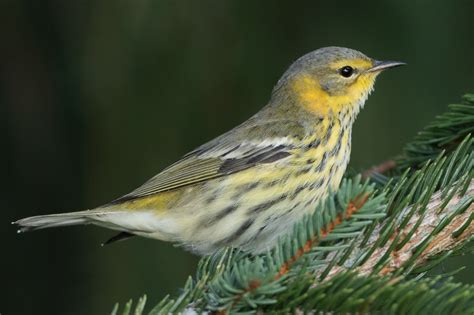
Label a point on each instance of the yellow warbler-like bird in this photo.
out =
(248, 186)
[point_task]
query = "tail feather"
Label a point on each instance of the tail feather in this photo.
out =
(54, 220)
(134, 222)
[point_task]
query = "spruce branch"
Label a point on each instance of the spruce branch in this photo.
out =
(352, 207)
(446, 232)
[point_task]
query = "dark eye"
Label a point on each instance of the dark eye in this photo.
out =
(346, 71)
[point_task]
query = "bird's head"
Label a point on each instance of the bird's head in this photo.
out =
(332, 79)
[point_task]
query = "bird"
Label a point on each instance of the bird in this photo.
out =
(248, 187)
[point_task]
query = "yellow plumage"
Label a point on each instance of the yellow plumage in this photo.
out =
(249, 186)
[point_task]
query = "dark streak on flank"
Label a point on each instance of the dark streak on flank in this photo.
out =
(302, 171)
(298, 190)
(332, 170)
(241, 230)
(211, 198)
(322, 164)
(260, 230)
(272, 183)
(308, 203)
(266, 205)
(296, 205)
(220, 215)
(244, 189)
(317, 184)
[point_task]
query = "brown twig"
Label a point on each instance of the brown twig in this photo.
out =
(381, 168)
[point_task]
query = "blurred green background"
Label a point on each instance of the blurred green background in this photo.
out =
(98, 96)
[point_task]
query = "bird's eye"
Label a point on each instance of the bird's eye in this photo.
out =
(346, 71)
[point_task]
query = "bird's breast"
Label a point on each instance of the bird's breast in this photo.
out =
(324, 158)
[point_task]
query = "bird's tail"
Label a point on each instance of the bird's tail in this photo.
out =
(119, 219)
(55, 220)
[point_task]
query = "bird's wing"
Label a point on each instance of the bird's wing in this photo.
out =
(195, 168)
(223, 156)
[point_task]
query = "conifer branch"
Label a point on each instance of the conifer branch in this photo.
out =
(456, 233)
(352, 207)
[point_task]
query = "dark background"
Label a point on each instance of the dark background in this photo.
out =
(98, 96)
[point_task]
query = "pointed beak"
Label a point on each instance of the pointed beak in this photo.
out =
(382, 65)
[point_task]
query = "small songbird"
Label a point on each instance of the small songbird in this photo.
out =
(248, 186)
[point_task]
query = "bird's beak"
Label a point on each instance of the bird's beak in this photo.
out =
(382, 65)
